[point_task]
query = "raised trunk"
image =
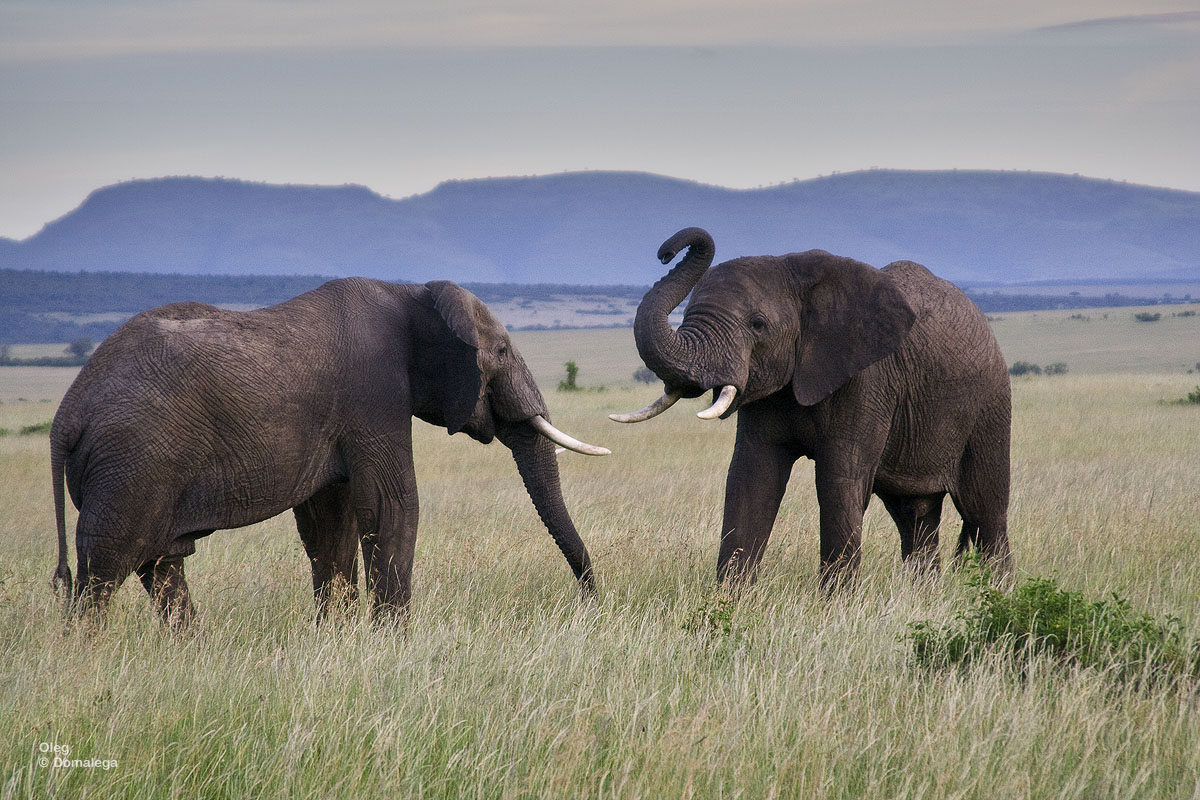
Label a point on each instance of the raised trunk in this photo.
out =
(671, 355)
(538, 466)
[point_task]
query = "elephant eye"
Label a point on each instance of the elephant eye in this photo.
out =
(758, 324)
(503, 351)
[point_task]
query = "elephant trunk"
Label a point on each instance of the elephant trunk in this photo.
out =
(674, 356)
(538, 466)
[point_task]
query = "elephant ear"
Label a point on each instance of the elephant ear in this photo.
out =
(853, 315)
(462, 378)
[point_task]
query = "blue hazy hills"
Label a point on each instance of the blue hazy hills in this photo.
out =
(596, 228)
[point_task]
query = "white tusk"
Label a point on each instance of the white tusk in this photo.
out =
(724, 401)
(653, 410)
(543, 426)
(559, 450)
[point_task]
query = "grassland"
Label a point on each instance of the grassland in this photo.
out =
(505, 685)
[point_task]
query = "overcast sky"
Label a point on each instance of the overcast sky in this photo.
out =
(399, 96)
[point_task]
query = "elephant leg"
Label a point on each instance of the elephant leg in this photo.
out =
(917, 519)
(386, 511)
(754, 488)
(166, 584)
(842, 500)
(328, 529)
(982, 496)
(104, 559)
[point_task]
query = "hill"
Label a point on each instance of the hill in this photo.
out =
(598, 228)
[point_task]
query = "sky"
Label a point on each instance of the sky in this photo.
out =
(399, 95)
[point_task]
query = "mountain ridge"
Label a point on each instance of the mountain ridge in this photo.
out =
(599, 227)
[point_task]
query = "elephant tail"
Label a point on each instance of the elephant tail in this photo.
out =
(61, 582)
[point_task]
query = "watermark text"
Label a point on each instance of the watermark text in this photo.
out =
(52, 755)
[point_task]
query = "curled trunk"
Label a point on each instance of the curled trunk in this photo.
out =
(673, 355)
(538, 466)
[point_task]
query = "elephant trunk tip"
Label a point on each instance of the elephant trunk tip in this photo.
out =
(696, 238)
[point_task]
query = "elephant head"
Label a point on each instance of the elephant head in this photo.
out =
(756, 325)
(476, 382)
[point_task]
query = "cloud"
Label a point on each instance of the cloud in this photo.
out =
(1128, 21)
(33, 30)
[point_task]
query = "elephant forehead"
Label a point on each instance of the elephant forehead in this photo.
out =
(741, 287)
(745, 277)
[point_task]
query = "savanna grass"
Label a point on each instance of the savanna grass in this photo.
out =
(505, 684)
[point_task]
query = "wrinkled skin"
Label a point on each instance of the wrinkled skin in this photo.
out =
(889, 380)
(190, 419)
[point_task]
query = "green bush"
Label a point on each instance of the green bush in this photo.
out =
(1146, 316)
(1193, 398)
(1024, 368)
(1057, 368)
(644, 375)
(31, 430)
(569, 384)
(712, 616)
(1039, 617)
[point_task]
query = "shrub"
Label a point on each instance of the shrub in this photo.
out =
(80, 348)
(569, 384)
(1057, 368)
(1024, 368)
(1146, 316)
(713, 616)
(1039, 617)
(1193, 398)
(644, 375)
(41, 427)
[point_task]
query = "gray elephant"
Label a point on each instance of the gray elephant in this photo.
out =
(889, 380)
(190, 419)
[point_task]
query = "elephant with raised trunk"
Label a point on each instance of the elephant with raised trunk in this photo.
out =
(190, 419)
(889, 380)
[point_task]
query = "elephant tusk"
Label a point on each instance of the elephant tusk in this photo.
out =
(653, 410)
(559, 450)
(543, 426)
(724, 401)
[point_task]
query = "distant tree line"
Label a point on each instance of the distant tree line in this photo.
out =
(28, 298)
(995, 301)
(504, 292)
(74, 354)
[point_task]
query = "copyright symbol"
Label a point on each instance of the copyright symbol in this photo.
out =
(43, 762)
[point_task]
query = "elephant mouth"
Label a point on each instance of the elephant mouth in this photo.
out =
(726, 401)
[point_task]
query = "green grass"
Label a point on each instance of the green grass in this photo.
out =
(505, 685)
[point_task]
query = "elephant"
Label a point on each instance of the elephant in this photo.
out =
(890, 380)
(190, 419)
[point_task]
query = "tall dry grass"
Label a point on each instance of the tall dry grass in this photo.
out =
(506, 685)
